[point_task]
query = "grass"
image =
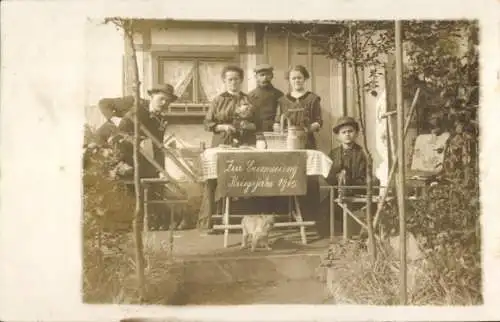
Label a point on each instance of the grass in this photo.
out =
(112, 279)
(444, 276)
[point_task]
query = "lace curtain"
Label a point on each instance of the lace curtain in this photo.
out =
(179, 74)
(210, 78)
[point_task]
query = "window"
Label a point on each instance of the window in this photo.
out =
(196, 80)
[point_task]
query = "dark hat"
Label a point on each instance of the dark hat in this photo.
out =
(345, 120)
(263, 67)
(166, 89)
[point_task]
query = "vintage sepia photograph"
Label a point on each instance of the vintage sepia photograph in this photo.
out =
(281, 162)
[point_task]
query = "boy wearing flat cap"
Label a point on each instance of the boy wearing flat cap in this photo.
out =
(349, 162)
(265, 96)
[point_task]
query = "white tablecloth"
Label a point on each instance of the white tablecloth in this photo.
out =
(318, 163)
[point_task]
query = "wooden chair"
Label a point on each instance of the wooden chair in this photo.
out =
(347, 201)
(426, 167)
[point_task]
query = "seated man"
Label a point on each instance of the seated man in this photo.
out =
(120, 125)
(119, 132)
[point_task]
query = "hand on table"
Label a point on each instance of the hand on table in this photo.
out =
(115, 120)
(249, 126)
(314, 127)
(341, 177)
(228, 128)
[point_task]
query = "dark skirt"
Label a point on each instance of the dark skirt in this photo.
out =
(208, 205)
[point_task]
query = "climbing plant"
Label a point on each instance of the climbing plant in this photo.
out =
(441, 59)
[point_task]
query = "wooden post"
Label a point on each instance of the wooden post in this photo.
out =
(401, 163)
(145, 208)
(344, 88)
(332, 215)
(288, 57)
(395, 159)
(171, 227)
(310, 62)
(225, 221)
(139, 211)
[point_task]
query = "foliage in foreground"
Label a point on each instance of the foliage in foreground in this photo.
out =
(108, 257)
(448, 271)
(107, 218)
(108, 252)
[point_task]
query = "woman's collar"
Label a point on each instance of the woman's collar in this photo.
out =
(289, 95)
(227, 94)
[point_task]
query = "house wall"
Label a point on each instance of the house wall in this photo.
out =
(194, 39)
(249, 44)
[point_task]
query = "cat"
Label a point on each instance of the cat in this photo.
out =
(257, 228)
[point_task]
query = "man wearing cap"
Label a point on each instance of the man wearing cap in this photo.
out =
(265, 96)
(265, 99)
(119, 128)
(120, 116)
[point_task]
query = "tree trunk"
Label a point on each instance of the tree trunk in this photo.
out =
(139, 210)
(369, 173)
(369, 162)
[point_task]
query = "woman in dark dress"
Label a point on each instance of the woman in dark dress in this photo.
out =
(224, 121)
(300, 98)
(310, 118)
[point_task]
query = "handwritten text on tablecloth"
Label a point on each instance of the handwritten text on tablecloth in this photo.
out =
(262, 174)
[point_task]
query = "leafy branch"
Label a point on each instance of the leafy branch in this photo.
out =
(129, 27)
(434, 64)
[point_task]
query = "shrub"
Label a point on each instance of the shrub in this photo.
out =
(108, 252)
(446, 228)
(107, 217)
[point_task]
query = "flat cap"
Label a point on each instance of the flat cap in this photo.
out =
(343, 121)
(262, 67)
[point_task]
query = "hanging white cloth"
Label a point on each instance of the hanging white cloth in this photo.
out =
(179, 74)
(428, 152)
(210, 78)
(381, 141)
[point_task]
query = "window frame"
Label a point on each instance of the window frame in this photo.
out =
(189, 108)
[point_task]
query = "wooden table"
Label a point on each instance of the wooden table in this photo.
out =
(263, 173)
